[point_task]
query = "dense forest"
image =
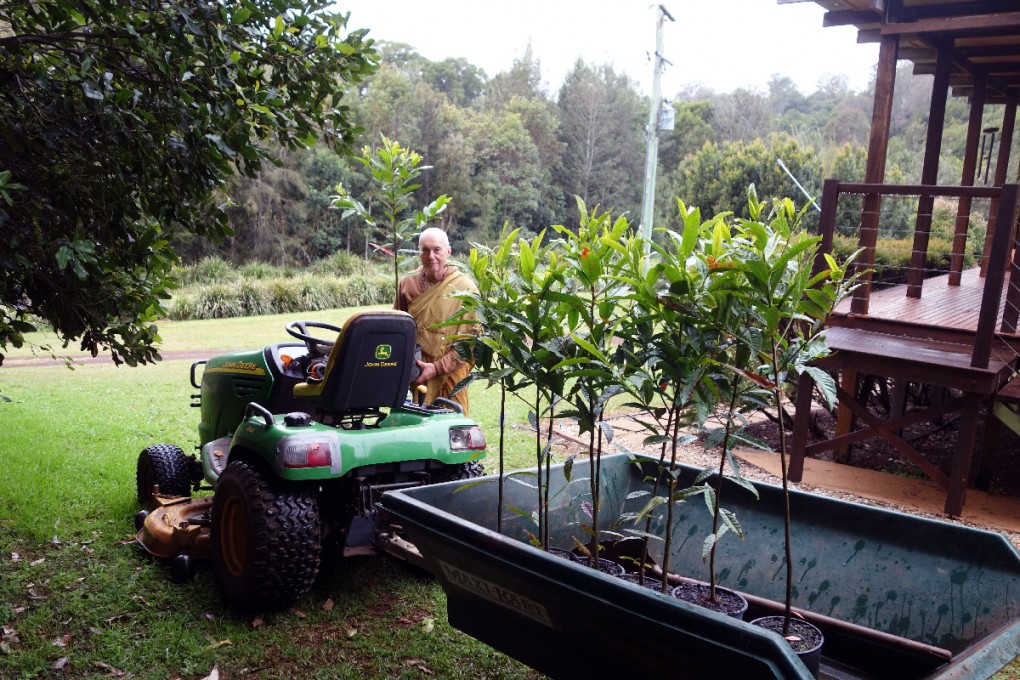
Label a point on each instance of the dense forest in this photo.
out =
(506, 150)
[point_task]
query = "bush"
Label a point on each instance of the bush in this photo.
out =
(341, 264)
(208, 270)
(262, 270)
(892, 256)
(279, 295)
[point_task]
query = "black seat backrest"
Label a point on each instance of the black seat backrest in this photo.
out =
(370, 364)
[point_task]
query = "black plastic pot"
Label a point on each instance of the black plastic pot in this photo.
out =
(728, 602)
(805, 639)
(565, 554)
(649, 582)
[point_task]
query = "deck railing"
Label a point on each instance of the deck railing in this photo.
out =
(999, 254)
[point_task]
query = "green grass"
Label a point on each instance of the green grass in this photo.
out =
(72, 574)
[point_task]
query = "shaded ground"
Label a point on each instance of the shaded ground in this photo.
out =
(936, 442)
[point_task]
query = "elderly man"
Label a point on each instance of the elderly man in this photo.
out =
(426, 295)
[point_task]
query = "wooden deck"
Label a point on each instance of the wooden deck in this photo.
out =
(945, 312)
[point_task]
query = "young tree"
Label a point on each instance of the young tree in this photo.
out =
(395, 170)
(118, 122)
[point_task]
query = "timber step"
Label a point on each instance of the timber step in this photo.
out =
(1010, 392)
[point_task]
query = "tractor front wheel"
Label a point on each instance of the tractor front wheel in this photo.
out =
(165, 466)
(266, 544)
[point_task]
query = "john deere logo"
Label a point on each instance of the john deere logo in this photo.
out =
(383, 352)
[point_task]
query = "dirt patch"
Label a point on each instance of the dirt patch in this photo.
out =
(79, 359)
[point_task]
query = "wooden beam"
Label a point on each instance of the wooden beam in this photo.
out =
(1000, 23)
(883, 431)
(929, 171)
(1001, 172)
(970, 154)
(852, 18)
(874, 172)
(994, 278)
(932, 414)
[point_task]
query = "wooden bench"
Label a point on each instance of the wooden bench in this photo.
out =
(904, 359)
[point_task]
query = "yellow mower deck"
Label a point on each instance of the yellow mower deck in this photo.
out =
(178, 525)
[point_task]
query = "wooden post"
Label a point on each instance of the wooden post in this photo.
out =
(801, 420)
(845, 416)
(826, 223)
(929, 172)
(992, 293)
(1001, 171)
(878, 147)
(964, 453)
(970, 153)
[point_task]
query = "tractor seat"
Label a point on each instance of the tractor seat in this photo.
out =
(369, 367)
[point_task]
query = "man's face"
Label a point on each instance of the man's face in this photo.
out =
(434, 254)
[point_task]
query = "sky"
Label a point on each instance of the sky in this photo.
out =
(722, 44)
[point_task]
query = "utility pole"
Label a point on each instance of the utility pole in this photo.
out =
(652, 129)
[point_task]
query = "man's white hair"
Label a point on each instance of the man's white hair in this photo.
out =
(434, 232)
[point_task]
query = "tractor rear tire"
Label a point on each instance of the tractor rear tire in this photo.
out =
(266, 538)
(163, 465)
(460, 471)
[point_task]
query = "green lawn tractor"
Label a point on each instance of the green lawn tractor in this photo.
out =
(297, 441)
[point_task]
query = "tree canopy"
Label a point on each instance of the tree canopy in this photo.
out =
(120, 119)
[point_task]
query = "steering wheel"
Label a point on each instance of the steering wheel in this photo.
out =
(316, 346)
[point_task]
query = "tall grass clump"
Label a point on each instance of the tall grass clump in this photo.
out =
(207, 271)
(342, 264)
(279, 295)
(263, 270)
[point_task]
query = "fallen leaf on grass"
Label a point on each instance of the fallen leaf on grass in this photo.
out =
(428, 624)
(209, 616)
(298, 613)
(351, 632)
(327, 605)
(217, 645)
(5, 648)
(111, 671)
(419, 664)
(257, 622)
(59, 664)
(15, 557)
(62, 640)
(8, 634)
(37, 562)
(214, 675)
(405, 621)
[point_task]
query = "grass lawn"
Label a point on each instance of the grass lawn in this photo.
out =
(78, 598)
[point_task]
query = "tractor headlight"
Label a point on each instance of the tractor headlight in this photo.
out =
(305, 452)
(467, 438)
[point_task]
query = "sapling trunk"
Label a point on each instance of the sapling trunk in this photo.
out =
(670, 501)
(595, 463)
(777, 393)
(717, 505)
(648, 520)
(547, 453)
(502, 453)
(538, 468)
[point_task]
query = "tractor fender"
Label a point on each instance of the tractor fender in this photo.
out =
(215, 456)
